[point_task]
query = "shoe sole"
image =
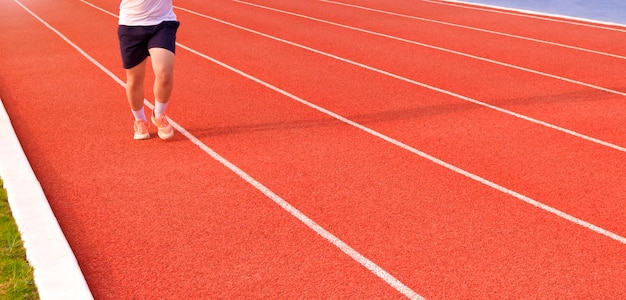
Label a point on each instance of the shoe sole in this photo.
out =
(141, 136)
(166, 136)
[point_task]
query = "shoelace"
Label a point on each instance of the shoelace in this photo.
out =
(162, 121)
(141, 126)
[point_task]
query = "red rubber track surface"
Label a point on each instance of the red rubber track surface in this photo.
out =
(156, 220)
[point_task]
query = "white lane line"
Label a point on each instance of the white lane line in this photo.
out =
(344, 247)
(420, 153)
(440, 49)
(102, 10)
(530, 14)
(424, 155)
(478, 29)
(424, 85)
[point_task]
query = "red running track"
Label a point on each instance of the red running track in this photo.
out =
(421, 145)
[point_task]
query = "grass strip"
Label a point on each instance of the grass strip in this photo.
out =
(16, 275)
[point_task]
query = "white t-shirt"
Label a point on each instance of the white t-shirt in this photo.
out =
(145, 12)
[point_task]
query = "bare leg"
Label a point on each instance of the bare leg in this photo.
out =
(163, 66)
(134, 85)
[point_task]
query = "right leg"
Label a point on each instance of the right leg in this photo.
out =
(134, 50)
(135, 95)
(135, 85)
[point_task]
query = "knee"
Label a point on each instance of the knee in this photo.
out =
(164, 76)
(134, 81)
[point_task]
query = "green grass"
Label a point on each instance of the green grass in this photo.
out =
(16, 275)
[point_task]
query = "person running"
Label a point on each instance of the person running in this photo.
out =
(148, 28)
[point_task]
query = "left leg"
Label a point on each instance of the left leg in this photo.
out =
(161, 47)
(163, 66)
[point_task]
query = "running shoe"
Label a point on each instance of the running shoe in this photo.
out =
(141, 130)
(165, 130)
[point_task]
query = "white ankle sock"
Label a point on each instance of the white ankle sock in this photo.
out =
(159, 108)
(139, 114)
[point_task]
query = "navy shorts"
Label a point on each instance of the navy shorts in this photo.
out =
(135, 41)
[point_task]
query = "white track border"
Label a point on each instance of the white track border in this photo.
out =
(56, 271)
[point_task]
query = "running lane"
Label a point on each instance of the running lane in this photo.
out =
(581, 91)
(255, 61)
(544, 28)
(572, 174)
(441, 233)
(580, 63)
(150, 219)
